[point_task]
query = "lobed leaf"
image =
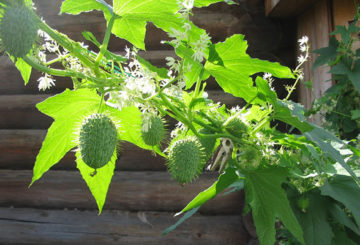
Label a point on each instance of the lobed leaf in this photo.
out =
(100, 182)
(234, 76)
(269, 201)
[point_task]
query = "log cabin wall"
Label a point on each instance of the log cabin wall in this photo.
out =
(142, 197)
(315, 19)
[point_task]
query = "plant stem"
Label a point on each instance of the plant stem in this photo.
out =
(64, 41)
(57, 72)
(104, 46)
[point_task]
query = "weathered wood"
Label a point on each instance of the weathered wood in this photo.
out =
(134, 191)
(21, 112)
(316, 24)
(19, 149)
(32, 226)
(286, 8)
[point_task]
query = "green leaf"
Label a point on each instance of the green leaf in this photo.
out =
(98, 183)
(265, 89)
(344, 190)
(136, 13)
(322, 137)
(354, 75)
(355, 114)
(196, 67)
(340, 216)
(181, 220)
(269, 201)
(205, 3)
(24, 69)
(316, 227)
(76, 7)
(341, 238)
(61, 136)
(327, 54)
(235, 75)
(291, 113)
(224, 181)
(161, 72)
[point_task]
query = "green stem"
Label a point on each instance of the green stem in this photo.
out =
(104, 46)
(60, 58)
(64, 41)
(57, 72)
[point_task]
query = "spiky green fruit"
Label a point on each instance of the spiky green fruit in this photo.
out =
(98, 139)
(18, 30)
(236, 127)
(207, 142)
(154, 132)
(249, 157)
(186, 159)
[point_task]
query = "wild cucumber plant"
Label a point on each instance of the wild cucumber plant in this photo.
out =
(295, 180)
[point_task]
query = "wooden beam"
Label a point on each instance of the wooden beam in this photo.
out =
(316, 24)
(19, 149)
(32, 226)
(134, 191)
(286, 8)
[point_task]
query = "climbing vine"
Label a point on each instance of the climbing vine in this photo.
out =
(307, 182)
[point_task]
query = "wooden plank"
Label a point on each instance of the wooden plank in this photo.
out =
(32, 226)
(286, 8)
(133, 191)
(21, 112)
(343, 13)
(316, 24)
(19, 149)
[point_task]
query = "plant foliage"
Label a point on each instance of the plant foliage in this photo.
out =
(302, 188)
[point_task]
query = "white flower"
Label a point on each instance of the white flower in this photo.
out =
(267, 76)
(303, 40)
(45, 82)
(187, 26)
(303, 48)
(302, 59)
(188, 4)
(199, 47)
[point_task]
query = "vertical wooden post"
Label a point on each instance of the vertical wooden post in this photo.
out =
(316, 24)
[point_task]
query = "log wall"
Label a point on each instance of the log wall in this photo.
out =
(142, 197)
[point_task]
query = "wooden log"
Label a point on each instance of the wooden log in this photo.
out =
(21, 112)
(134, 191)
(19, 149)
(32, 226)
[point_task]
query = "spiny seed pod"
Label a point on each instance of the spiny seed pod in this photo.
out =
(185, 159)
(18, 30)
(98, 139)
(249, 157)
(207, 143)
(236, 127)
(155, 131)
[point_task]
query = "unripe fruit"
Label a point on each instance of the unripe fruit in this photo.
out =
(303, 203)
(18, 30)
(98, 139)
(249, 157)
(185, 159)
(207, 143)
(236, 127)
(155, 132)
